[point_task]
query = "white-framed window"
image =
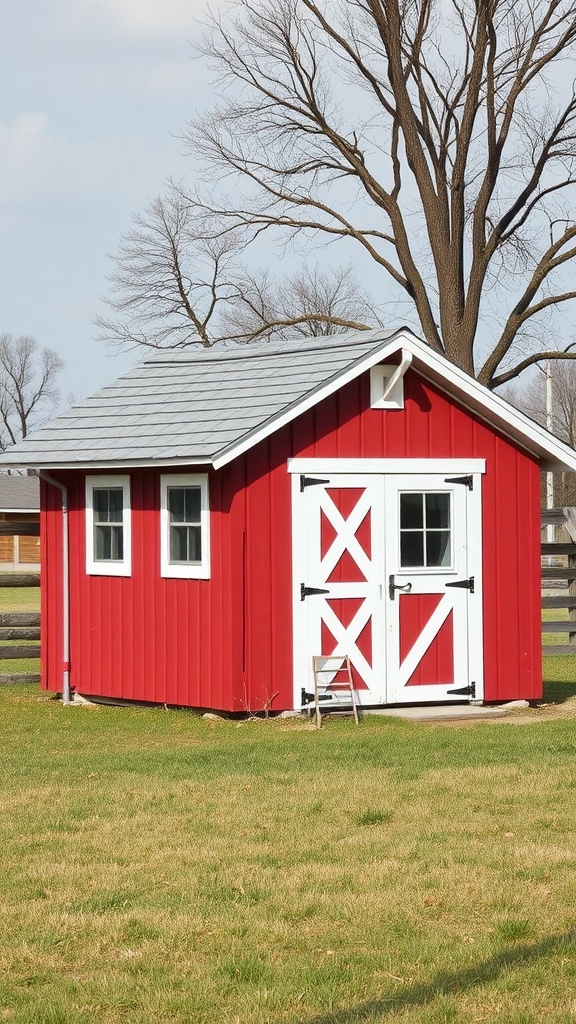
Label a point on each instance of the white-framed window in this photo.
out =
(108, 535)
(184, 526)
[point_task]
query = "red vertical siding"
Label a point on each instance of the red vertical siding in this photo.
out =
(227, 642)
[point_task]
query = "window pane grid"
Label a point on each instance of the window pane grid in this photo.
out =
(425, 531)
(108, 513)
(185, 530)
(108, 504)
(108, 543)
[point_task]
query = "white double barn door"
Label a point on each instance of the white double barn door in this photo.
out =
(387, 569)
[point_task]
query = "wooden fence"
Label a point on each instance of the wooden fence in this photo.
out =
(559, 575)
(19, 631)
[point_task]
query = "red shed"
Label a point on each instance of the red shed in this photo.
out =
(214, 519)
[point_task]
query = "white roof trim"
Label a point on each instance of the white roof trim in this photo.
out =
(117, 464)
(338, 381)
(554, 454)
(432, 366)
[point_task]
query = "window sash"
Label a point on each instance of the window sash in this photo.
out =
(185, 519)
(108, 513)
(108, 526)
(425, 529)
(185, 535)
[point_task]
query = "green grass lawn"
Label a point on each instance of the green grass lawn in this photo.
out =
(555, 615)
(19, 599)
(161, 867)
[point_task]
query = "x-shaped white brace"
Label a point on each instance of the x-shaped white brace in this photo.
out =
(345, 538)
(346, 637)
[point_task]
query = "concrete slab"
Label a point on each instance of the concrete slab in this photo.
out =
(449, 712)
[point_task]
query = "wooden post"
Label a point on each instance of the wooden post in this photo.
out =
(563, 577)
(572, 594)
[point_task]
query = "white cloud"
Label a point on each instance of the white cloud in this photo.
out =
(38, 165)
(137, 19)
(21, 140)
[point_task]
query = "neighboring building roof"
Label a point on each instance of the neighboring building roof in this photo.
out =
(19, 493)
(208, 406)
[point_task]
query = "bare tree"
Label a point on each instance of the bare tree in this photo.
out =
(551, 402)
(310, 303)
(180, 279)
(549, 397)
(28, 379)
(439, 136)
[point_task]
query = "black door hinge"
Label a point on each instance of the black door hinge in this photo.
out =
(309, 698)
(468, 481)
(465, 691)
(308, 591)
(311, 481)
(463, 584)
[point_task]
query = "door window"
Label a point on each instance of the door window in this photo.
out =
(425, 529)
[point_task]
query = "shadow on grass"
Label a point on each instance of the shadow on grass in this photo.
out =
(447, 983)
(558, 691)
(559, 671)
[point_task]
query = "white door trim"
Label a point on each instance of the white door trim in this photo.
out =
(468, 466)
(301, 548)
(476, 600)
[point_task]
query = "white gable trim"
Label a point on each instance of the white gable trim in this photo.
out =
(313, 398)
(436, 368)
(495, 411)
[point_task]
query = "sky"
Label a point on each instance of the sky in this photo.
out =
(94, 97)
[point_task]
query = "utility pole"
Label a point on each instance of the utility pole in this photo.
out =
(549, 423)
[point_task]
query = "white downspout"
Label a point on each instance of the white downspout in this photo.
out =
(65, 587)
(398, 373)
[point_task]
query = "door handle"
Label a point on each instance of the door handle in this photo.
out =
(392, 587)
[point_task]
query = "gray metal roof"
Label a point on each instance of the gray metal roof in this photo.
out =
(190, 405)
(19, 493)
(207, 406)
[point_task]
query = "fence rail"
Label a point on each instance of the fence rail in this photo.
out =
(560, 578)
(16, 627)
(19, 529)
(19, 631)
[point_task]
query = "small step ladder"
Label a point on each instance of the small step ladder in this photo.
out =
(333, 679)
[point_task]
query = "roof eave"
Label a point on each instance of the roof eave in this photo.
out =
(20, 511)
(388, 346)
(554, 455)
(112, 464)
